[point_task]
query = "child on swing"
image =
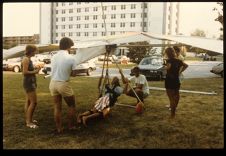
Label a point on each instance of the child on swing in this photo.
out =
(102, 106)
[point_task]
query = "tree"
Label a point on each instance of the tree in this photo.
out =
(199, 33)
(220, 17)
(136, 54)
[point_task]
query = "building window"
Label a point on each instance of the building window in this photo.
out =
(86, 17)
(133, 6)
(78, 34)
(70, 34)
(63, 4)
(86, 9)
(62, 26)
(70, 26)
(56, 34)
(78, 18)
(71, 3)
(70, 10)
(95, 17)
(70, 18)
(104, 8)
(56, 26)
(56, 4)
(113, 25)
(94, 33)
(78, 26)
(78, 3)
(56, 11)
(95, 9)
(56, 19)
(132, 24)
(86, 25)
(113, 16)
(63, 19)
(123, 7)
(63, 34)
(63, 11)
(113, 7)
(95, 25)
(133, 15)
(103, 34)
(122, 24)
(103, 16)
(145, 24)
(112, 33)
(145, 15)
(86, 34)
(123, 15)
(79, 10)
(102, 25)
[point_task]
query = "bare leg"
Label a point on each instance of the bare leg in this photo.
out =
(26, 107)
(79, 118)
(170, 94)
(177, 97)
(70, 100)
(31, 107)
(92, 116)
(57, 112)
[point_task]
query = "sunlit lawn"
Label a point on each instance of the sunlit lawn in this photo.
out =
(198, 123)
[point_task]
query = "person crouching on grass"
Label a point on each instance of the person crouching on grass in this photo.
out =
(30, 85)
(102, 106)
(174, 68)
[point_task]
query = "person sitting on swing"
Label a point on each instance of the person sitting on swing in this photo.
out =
(141, 85)
(102, 106)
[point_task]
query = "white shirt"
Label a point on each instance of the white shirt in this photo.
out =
(62, 65)
(141, 79)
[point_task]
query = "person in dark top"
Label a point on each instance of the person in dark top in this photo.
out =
(29, 85)
(102, 106)
(174, 68)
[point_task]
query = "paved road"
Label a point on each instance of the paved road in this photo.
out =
(195, 70)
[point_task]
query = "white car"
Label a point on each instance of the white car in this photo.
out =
(86, 67)
(218, 69)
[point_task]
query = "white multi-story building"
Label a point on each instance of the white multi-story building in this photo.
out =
(81, 20)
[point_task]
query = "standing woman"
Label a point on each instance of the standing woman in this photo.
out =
(29, 84)
(174, 68)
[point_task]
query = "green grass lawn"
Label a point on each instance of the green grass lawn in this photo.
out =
(198, 123)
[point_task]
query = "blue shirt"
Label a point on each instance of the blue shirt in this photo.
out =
(62, 65)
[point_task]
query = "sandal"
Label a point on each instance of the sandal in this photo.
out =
(32, 125)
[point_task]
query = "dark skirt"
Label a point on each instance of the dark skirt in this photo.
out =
(29, 83)
(172, 83)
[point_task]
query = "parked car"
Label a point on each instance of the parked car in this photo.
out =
(15, 64)
(218, 69)
(86, 67)
(152, 67)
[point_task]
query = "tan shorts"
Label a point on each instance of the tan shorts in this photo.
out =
(60, 88)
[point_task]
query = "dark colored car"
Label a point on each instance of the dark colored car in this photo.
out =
(152, 68)
(218, 69)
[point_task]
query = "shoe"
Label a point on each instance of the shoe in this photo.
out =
(32, 125)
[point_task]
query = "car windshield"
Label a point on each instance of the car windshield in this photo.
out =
(151, 61)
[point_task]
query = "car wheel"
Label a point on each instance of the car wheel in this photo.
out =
(222, 74)
(160, 77)
(88, 71)
(16, 69)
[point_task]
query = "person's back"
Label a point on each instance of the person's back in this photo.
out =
(61, 65)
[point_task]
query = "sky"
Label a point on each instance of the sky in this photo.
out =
(21, 19)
